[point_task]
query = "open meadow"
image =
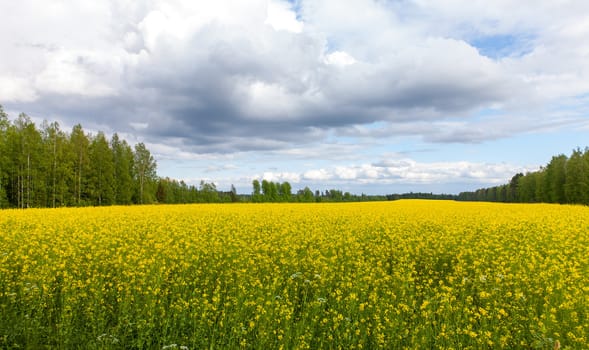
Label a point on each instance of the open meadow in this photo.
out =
(405, 274)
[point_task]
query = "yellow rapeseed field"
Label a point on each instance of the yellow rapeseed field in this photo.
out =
(392, 275)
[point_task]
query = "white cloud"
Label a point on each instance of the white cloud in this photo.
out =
(309, 79)
(408, 171)
(346, 173)
(389, 176)
(152, 27)
(200, 68)
(16, 89)
(340, 58)
(282, 17)
(78, 73)
(317, 175)
(281, 176)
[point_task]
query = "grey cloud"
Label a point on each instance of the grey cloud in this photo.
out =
(198, 90)
(231, 85)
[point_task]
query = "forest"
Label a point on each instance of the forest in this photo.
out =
(48, 167)
(563, 180)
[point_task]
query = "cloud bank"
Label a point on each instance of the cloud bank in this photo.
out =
(228, 77)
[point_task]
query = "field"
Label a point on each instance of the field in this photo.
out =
(393, 275)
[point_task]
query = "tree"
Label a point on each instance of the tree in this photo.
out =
(285, 191)
(576, 184)
(266, 190)
(162, 190)
(26, 150)
(80, 145)
(555, 178)
(123, 170)
(336, 195)
(208, 192)
(272, 194)
(256, 194)
(514, 188)
(541, 195)
(527, 188)
(233, 194)
(101, 182)
(48, 167)
(59, 167)
(145, 172)
(305, 195)
(4, 125)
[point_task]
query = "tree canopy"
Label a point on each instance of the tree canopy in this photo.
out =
(48, 167)
(563, 180)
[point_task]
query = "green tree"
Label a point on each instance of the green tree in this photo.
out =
(27, 152)
(257, 191)
(285, 191)
(163, 188)
(502, 193)
(527, 188)
(273, 191)
(145, 173)
(541, 195)
(208, 192)
(266, 190)
(102, 171)
(59, 167)
(4, 125)
(305, 195)
(336, 195)
(555, 178)
(513, 195)
(123, 170)
(233, 194)
(81, 161)
(576, 184)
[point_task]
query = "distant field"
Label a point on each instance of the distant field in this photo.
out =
(405, 274)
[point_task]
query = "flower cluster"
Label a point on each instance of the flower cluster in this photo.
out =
(405, 274)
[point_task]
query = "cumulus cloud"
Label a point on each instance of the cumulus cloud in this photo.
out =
(205, 80)
(280, 176)
(212, 73)
(282, 17)
(404, 171)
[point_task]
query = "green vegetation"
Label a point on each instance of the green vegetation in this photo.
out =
(563, 180)
(382, 275)
(48, 167)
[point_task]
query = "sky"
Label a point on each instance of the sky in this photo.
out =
(365, 96)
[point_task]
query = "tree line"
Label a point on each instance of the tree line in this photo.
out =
(49, 167)
(171, 191)
(563, 180)
(274, 192)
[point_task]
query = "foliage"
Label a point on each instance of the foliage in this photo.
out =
(391, 275)
(48, 167)
(275, 192)
(563, 180)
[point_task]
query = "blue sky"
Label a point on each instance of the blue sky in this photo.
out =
(365, 96)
